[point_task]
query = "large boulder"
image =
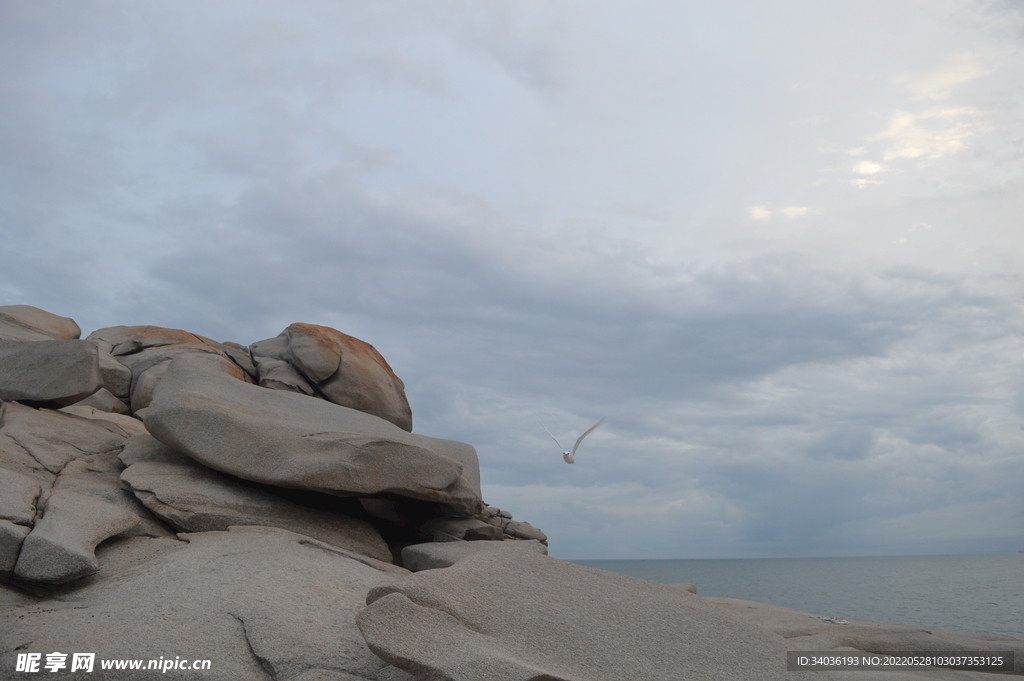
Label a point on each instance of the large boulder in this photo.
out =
(345, 370)
(21, 323)
(258, 602)
(60, 372)
(291, 440)
(194, 498)
(521, 616)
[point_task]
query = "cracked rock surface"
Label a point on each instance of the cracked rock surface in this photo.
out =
(259, 602)
(62, 493)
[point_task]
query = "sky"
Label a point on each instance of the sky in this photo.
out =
(779, 245)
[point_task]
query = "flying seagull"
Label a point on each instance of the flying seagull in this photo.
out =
(570, 457)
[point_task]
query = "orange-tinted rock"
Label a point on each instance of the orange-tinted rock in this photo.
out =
(346, 371)
(146, 350)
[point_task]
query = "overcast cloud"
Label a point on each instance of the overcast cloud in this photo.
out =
(779, 245)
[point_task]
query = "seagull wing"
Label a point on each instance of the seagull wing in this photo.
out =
(580, 438)
(552, 437)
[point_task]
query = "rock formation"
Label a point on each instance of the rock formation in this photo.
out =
(166, 497)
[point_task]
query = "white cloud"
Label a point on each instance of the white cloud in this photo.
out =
(931, 134)
(869, 168)
(759, 213)
(795, 211)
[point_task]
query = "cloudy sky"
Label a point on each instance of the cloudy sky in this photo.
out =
(778, 244)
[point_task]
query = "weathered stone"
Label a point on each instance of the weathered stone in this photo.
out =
(194, 498)
(435, 555)
(117, 378)
(61, 547)
(11, 537)
(129, 340)
(467, 529)
(520, 616)
(43, 452)
(522, 530)
(240, 355)
(103, 400)
(44, 440)
(278, 374)
(22, 323)
(146, 350)
(126, 424)
(260, 603)
(290, 440)
(493, 513)
(347, 371)
(144, 384)
(99, 476)
(57, 371)
(18, 496)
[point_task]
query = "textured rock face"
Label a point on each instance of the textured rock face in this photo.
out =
(145, 352)
(512, 528)
(260, 603)
(290, 440)
(21, 323)
(62, 493)
(60, 548)
(61, 372)
(194, 498)
(520, 616)
(346, 371)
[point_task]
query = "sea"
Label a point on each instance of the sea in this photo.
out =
(968, 593)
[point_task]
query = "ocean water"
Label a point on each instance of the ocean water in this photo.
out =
(970, 593)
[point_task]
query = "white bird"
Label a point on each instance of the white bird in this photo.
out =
(570, 457)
